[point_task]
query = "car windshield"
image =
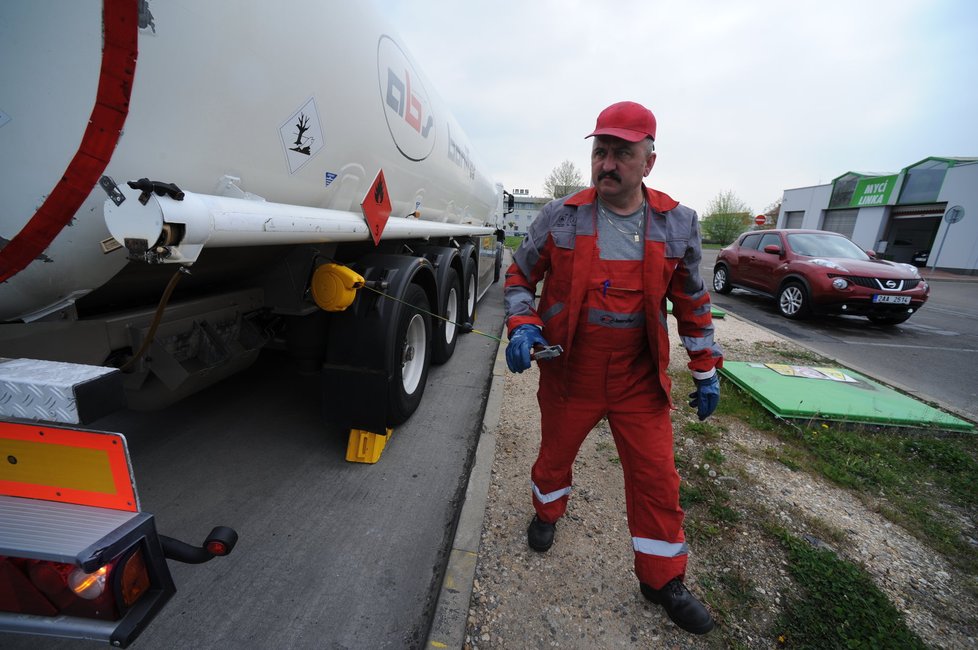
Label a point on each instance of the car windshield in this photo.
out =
(819, 245)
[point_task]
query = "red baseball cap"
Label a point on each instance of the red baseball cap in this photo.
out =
(625, 120)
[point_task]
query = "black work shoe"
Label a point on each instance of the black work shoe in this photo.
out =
(681, 606)
(540, 535)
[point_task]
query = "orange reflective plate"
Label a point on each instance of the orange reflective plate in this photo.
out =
(84, 467)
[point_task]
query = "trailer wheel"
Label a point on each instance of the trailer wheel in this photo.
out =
(412, 355)
(469, 289)
(446, 331)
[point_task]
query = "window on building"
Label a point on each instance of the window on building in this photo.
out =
(794, 218)
(923, 182)
(842, 190)
(840, 221)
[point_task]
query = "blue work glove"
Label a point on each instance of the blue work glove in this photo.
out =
(521, 343)
(706, 396)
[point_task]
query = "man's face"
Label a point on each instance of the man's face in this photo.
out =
(618, 167)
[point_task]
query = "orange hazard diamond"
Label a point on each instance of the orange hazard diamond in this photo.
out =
(376, 207)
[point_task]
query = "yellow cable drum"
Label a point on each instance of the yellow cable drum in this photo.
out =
(335, 286)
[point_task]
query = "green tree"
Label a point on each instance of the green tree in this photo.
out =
(726, 217)
(771, 212)
(564, 179)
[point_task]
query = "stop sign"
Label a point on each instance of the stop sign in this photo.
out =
(760, 220)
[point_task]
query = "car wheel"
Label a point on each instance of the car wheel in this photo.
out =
(889, 320)
(793, 301)
(721, 279)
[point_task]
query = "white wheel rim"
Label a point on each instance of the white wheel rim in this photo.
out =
(451, 313)
(719, 279)
(470, 303)
(412, 359)
(791, 300)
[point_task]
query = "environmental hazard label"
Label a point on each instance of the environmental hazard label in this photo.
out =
(302, 136)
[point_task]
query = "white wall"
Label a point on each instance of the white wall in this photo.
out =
(813, 200)
(960, 249)
(870, 224)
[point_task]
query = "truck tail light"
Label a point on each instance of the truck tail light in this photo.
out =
(134, 579)
(88, 585)
(45, 588)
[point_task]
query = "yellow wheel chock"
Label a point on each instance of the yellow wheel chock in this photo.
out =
(366, 446)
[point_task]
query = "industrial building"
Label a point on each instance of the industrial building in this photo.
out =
(925, 214)
(525, 210)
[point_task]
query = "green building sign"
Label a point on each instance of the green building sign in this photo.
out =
(873, 191)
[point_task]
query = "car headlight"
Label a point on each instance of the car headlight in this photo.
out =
(829, 264)
(910, 268)
(840, 283)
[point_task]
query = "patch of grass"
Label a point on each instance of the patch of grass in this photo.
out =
(806, 357)
(699, 529)
(737, 403)
(728, 592)
(915, 471)
(690, 495)
(706, 501)
(840, 607)
(714, 456)
(513, 241)
(724, 513)
(915, 474)
(705, 429)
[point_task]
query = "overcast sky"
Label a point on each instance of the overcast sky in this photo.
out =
(754, 97)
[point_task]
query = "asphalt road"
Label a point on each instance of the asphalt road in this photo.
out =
(933, 356)
(331, 554)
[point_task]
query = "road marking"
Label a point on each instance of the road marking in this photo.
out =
(953, 312)
(915, 347)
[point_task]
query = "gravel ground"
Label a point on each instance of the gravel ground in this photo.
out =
(583, 592)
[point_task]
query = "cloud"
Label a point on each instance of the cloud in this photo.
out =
(753, 97)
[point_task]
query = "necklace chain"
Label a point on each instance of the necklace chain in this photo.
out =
(611, 220)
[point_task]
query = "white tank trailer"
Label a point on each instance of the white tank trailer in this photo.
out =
(184, 183)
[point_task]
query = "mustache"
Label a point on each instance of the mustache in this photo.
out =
(613, 175)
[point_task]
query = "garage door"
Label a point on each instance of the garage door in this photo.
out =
(840, 221)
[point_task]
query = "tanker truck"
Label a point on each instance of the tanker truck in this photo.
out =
(184, 185)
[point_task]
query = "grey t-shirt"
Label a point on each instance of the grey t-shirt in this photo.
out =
(620, 238)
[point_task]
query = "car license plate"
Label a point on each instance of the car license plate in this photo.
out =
(893, 300)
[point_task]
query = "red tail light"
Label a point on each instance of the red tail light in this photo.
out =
(44, 588)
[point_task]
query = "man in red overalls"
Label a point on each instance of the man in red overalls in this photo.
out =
(609, 257)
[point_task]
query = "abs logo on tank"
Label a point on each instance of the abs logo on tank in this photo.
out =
(405, 100)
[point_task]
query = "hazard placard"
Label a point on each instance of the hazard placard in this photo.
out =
(376, 206)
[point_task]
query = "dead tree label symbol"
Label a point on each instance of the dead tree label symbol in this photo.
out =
(301, 127)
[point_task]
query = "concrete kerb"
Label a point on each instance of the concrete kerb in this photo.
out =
(452, 610)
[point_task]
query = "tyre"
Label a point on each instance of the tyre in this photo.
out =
(721, 279)
(412, 355)
(498, 270)
(793, 301)
(889, 320)
(447, 331)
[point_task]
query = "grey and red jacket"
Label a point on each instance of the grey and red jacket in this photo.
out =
(558, 249)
